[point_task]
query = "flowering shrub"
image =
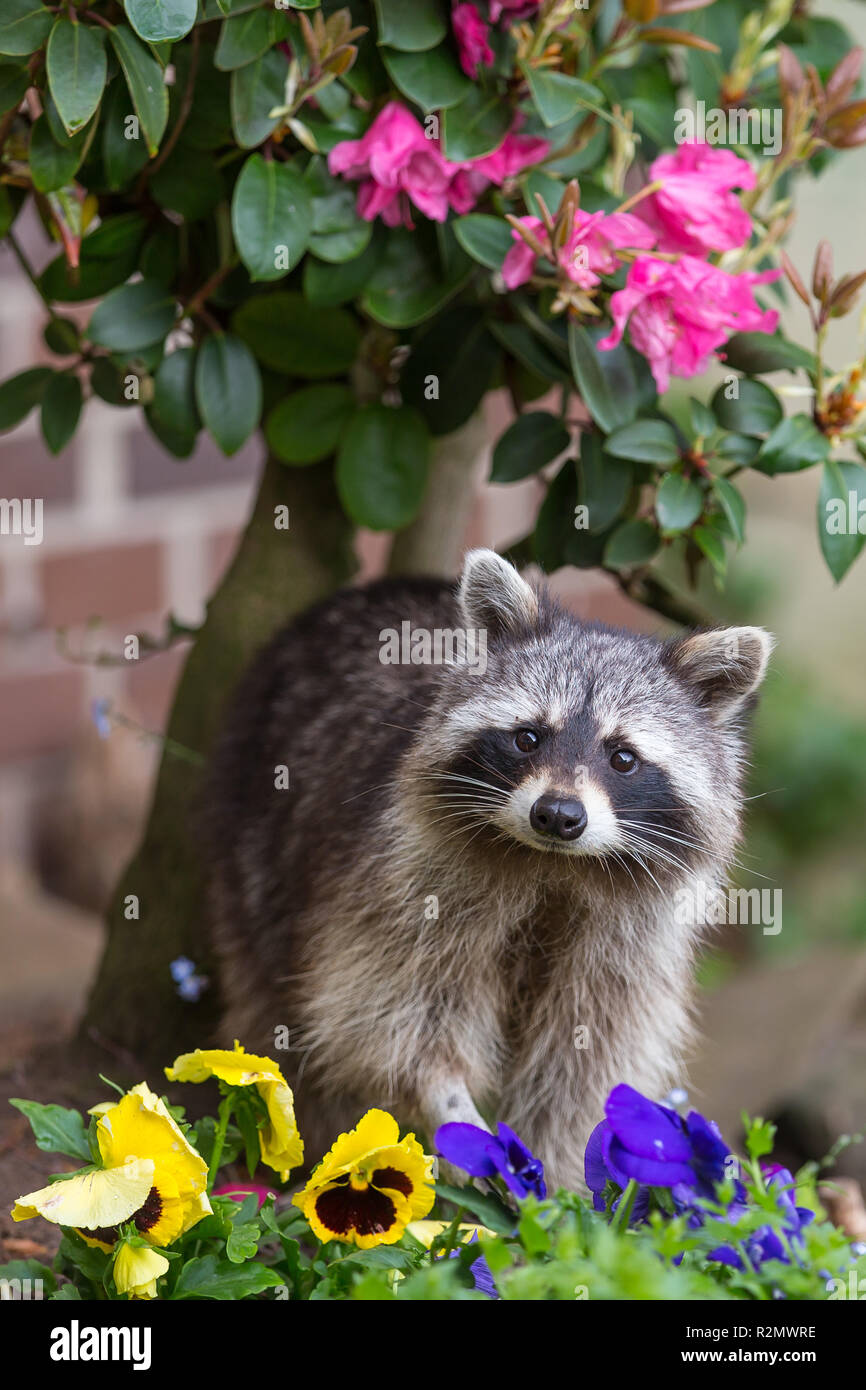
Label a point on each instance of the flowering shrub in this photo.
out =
(344, 225)
(672, 1213)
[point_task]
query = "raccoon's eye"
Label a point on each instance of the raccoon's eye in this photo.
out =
(526, 740)
(624, 760)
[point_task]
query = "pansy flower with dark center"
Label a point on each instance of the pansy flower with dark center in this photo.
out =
(484, 1155)
(369, 1186)
(148, 1174)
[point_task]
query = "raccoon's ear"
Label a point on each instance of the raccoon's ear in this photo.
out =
(493, 596)
(723, 666)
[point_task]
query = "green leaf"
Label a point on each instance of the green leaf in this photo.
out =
(24, 27)
(533, 440)
(132, 317)
(108, 257)
(632, 543)
(328, 285)
(742, 448)
(306, 426)
(556, 95)
(256, 89)
(210, 1277)
(529, 352)
(645, 441)
(432, 80)
(124, 150)
(61, 407)
(245, 37)
(161, 21)
(476, 126)
(62, 335)
(733, 506)
(56, 1129)
(408, 286)
(339, 247)
(488, 1208)
(272, 216)
(52, 166)
(13, 84)
(449, 368)
(537, 182)
(77, 67)
(174, 394)
(679, 502)
(701, 419)
(21, 393)
(300, 339)
(487, 239)
(144, 78)
(603, 380)
(603, 483)
(712, 545)
(754, 410)
(382, 466)
(842, 515)
(188, 183)
(765, 352)
(410, 27)
(228, 390)
(794, 444)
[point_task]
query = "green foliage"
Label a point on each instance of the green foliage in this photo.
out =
(179, 154)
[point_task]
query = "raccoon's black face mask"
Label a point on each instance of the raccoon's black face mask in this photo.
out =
(581, 740)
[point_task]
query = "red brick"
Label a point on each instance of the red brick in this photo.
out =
(113, 582)
(39, 713)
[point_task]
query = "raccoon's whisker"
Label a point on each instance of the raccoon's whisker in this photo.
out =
(366, 792)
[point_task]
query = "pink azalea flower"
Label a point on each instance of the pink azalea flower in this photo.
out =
(589, 252)
(680, 313)
(512, 9)
(695, 211)
(470, 31)
(398, 166)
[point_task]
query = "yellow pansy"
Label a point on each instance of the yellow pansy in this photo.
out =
(370, 1185)
(280, 1143)
(151, 1175)
(136, 1270)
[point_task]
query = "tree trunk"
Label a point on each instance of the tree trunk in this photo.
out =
(134, 1008)
(434, 542)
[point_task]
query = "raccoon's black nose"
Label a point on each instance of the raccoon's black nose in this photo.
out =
(559, 816)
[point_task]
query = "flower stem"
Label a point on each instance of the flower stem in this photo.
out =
(623, 1211)
(225, 1111)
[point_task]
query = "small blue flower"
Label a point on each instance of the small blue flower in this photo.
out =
(99, 713)
(485, 1155)
(190, 986)
(181, 968)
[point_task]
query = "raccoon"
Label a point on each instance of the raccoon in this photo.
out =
(469, 901)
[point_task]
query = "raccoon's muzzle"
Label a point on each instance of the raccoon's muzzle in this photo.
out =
(559, 816)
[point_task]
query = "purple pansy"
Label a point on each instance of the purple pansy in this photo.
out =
(640, 1139)
(486, 1155)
